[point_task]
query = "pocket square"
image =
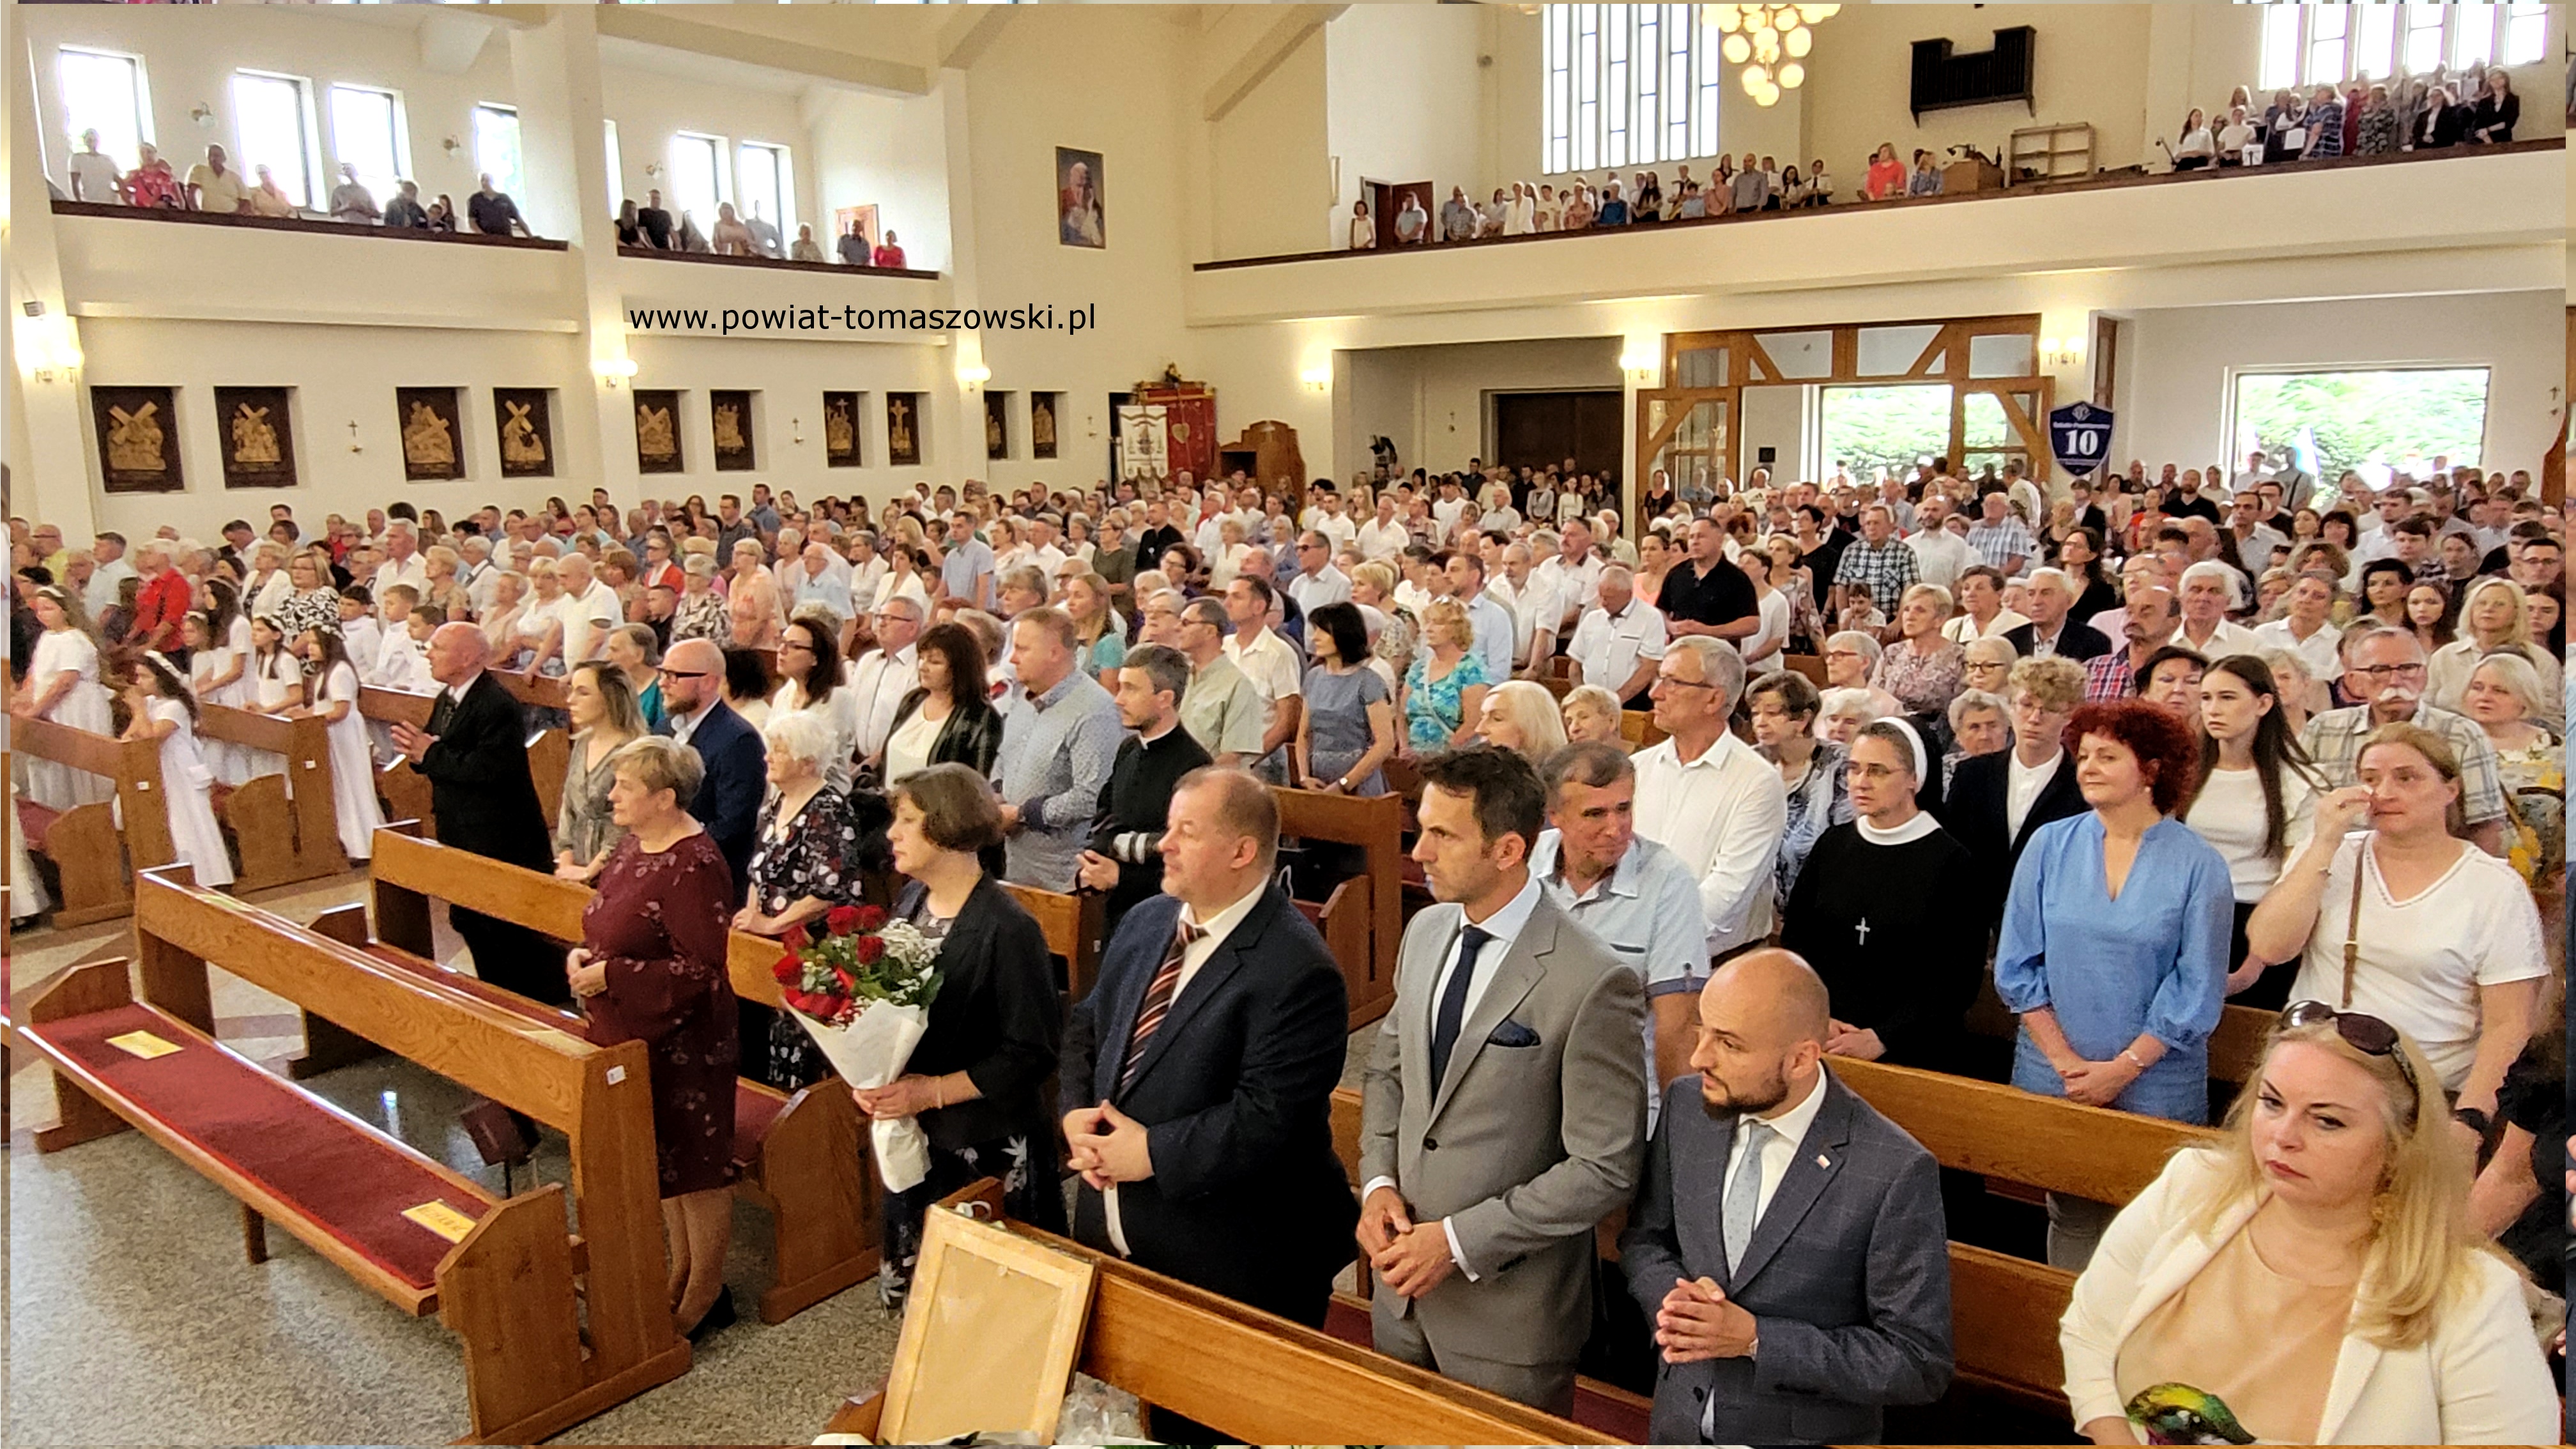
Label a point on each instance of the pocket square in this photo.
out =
(1512, 1034)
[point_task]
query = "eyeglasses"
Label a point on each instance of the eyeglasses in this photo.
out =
(2383, 673)
(2361, 1031)
(686, 673)
(1666, 681)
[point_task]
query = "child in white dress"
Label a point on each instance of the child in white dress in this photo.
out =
(164, 710)
(62, 684)
(276, 683)
(353, 774)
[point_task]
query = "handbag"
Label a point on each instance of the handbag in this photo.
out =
(2352, 926)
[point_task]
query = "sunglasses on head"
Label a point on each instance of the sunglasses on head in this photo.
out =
(2361, 1031)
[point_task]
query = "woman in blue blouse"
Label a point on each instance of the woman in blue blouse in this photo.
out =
(2114, 945)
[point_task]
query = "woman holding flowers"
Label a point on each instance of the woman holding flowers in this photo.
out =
(804, 861)
(977, 1080)
(651, 968)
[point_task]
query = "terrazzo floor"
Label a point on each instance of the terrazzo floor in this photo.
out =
(133, 1317)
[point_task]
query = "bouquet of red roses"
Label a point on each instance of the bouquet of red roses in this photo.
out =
(862, 989)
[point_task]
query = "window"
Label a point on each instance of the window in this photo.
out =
(270, 111)
(1627, 85)
(616, 174)
(104, 93)
(697, 177)
(2374, 421)
(2310, 45)
(496, 145)
(366, 132)
(768, 188)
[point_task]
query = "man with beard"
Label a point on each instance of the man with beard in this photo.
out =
(1764, 1340)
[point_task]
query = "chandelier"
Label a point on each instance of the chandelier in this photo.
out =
(1770, 41)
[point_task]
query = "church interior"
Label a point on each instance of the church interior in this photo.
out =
(1093, 243)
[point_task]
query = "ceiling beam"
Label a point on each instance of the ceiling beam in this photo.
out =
(964, 39)
(449, 41)
(1287, 27)
(675, 32)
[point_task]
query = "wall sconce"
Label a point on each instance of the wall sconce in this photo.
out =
(2061, 352)
(452, 146)
(1642, 367)
(51, 353)
(614, 371)
(974, 376)
(1317, 379)
(202, 114)
(653, 169)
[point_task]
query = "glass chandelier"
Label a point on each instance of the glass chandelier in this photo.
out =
(1770, 41)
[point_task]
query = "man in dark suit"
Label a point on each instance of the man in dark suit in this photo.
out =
(1205, 1060)
(1789, 1240)
(2051, 593)
(1506, 1102)
(1996, 802)
(475, 755)
(737, 763)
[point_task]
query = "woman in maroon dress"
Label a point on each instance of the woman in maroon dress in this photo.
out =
(651, 968)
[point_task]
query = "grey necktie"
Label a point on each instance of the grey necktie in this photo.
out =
(1744, 1191)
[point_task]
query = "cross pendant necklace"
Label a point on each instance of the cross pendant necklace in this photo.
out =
(1861, 931)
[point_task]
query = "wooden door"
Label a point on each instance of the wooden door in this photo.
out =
(1386, 198)
(1539, 428)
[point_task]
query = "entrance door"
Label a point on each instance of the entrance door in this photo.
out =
(1386, 198)
(1535, 429)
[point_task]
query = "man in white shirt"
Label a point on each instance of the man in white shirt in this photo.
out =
(1267, 660)
(885, 674)
(2208, 592)
(1336, 524)
(1940, 556)
(403, 563)
(1707, 796)
(2255, 539)
(1451, 507)
(1042, 549)
(1620, 641)
(1383, 537)
(867, 569)
(1318, 582)
(590, 610)
(93, 175)
(1494, 627)
(481, 577)
(1572, 577)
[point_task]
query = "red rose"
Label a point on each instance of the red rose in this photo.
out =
(849, 983)
(871, 918)
(789, 967)
(843, 920)
(796, 937)
(869, 950)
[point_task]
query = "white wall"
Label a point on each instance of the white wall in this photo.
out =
(1269, 177)
(2182, 363)
(650, 108)
(889, 152)
(1403, 98)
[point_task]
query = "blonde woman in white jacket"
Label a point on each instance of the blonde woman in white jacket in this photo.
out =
(2315, 1276)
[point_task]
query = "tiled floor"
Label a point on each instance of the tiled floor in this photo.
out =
(134, 1319)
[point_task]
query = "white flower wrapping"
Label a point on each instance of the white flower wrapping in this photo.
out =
(870, 1052)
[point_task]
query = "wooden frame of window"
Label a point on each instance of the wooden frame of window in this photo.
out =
(1741, 360)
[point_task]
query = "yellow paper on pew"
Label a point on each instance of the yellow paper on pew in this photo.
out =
(441, 1219)
(142, 1044)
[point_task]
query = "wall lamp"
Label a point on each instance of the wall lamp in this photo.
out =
(974, 376)
(1317, 379)
(2061, 352)
(614, 372)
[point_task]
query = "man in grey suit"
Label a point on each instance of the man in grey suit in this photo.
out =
(1789, 1241)
(1506, 1102)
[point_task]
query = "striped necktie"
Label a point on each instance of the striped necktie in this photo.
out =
(1158, 999)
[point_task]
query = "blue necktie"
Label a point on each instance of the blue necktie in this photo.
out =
(1453, 1002)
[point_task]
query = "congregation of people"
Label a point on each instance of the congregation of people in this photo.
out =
(2434, 111)
(2091, 759)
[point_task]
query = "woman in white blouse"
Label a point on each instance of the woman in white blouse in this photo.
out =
(2197, 146)
(2255, 801)
(809, 658)
(2493, 619)
(2314, 1276)
(2408, 922)
(1363, 228)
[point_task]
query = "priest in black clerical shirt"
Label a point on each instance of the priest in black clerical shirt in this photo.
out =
(1125, 857)
(1884, 910)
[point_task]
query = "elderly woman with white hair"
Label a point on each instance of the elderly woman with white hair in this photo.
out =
(1592, 715)
(700, 612)
(805, 859)
(1980, 724)
(1921, 669)
(1841, 712)
(2506, 699)
(1986, 664)
(752, 600)
(1520, 716)
(1851, 661)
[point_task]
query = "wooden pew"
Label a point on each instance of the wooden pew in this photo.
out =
(555, 1329)
(550, 748)
(283, 825)
(1637, 727)
(96, 864)
(1810, 665)
(1363, 922)
(1075, 927)
(1259, 1378)
(802, 1155)
(2012, 1135)
(405, 790)
(2236, 1047)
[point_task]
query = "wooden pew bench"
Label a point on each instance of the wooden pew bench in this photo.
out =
(802, 1155)
(1075, 927)
(1259, 1378)
(549, 747)
(404, 790)
(1362, 921)
(283, 825)
(95, 863)
(555, 1329)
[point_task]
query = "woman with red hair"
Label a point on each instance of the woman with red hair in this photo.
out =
(2115, 938)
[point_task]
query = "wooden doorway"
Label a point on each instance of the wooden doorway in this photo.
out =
(1386, 198)
(1534, 429)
